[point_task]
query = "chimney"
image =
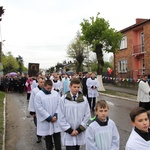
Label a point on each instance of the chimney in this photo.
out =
(140, 20)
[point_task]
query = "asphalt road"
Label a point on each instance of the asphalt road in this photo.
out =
(21, 132)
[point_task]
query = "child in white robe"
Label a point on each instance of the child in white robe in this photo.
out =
(102, 133)
(57, 84)
(92, 86)
(139, 138)
(31, 106)
(46, 104)
(74, 112)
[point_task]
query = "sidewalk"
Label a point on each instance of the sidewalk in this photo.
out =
(112, 87)
(128, 94)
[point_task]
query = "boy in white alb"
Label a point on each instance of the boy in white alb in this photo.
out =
(57, 84)
(92, 86)
(74, 112)
(139, 138)
(46, 106)
(31, 106)
(102, 133)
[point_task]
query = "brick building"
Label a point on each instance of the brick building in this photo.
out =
(133, 58)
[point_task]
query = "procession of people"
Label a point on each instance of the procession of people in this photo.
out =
(61, 106)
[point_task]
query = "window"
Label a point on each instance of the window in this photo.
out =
(142, 41)
(122, 66)
(123, 44)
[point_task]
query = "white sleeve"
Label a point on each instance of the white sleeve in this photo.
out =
(64, 125)
(90, 142)
(31, 107)
(43, 114)
(115, 139)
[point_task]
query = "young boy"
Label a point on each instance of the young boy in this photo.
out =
(74, 112)
(31, 106)
(102, 133)
(140, 136)
(46, 104)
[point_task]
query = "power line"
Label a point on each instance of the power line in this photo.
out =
(35, 46)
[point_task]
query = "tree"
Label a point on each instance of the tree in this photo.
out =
(98, 34)
(1, 12)
(111, 61)
(20, 62)
(78, 51)
(106, 66)
(58, 66)
(100, 37)
(9, 63)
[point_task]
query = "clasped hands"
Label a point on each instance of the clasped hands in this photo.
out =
(74, 133)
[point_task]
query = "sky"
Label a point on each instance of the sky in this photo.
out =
(41, 30)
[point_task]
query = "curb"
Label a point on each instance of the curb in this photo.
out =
(4, 123)
(123, 98)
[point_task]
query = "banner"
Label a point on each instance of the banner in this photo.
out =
(33, 69)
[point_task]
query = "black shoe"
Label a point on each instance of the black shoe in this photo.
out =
(38, 140)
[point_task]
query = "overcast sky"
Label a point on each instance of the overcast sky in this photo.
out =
(41, 30)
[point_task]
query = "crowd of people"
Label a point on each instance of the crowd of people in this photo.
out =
(61, 108)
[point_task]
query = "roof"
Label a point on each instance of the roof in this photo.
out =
(136, 24)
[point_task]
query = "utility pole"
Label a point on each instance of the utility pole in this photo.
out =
(1, 13)
(1, 65)
(0, 52)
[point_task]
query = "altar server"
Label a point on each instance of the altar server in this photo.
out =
(92, 85)
(46, 105)
(102, 133)
(139, 138)
(74, 112)
(31, 106)
(57, 84)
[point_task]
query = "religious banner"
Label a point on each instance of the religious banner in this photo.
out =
(33, 69)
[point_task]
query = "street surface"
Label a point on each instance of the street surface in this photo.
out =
(21, 132)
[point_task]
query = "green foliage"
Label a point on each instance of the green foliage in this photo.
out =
(78, 51)
(106, 65)
(50, 70)
(94, 66)
(24, 69)
(9, 63)
(58, 66)
(98, 34)
(20, 62)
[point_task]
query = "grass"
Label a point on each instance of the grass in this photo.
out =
(121, 94)
(2, 95)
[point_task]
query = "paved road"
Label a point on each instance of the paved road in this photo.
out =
(20, 131)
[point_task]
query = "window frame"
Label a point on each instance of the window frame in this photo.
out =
(122, 66)
(123, 44)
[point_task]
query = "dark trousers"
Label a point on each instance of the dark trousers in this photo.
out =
(145, 105)
(57, 141)
(35, 122)
(28, 96)
(92, 103)
(77, 147)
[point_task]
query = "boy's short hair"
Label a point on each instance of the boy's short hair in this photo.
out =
(75, 81)
(137, 111)
(101, 104)
(48, 82)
